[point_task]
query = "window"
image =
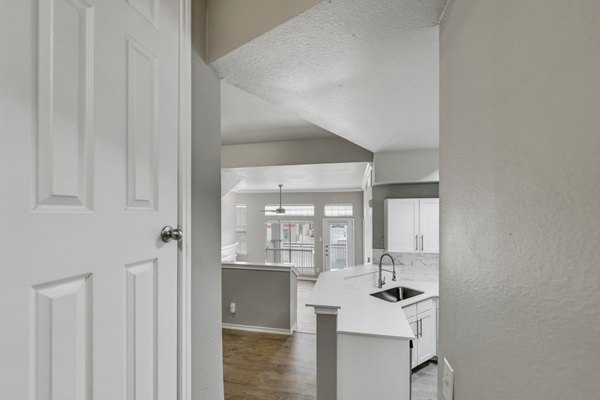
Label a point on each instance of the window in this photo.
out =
(338, 210)
(241, 228)
(291, 242)
(302, 210)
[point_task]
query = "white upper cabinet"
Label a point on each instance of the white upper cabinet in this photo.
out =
(402, 225)
(429, 225)
(412, 225)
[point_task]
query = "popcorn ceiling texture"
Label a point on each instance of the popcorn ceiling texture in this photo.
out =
(353, 67)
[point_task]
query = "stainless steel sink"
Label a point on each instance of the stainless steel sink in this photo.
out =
(394, 295)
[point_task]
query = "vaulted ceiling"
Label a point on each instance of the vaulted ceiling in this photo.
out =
(366, 70)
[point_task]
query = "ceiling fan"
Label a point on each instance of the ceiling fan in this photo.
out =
(280, 210)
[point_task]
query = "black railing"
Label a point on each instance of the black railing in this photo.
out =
(300, 257)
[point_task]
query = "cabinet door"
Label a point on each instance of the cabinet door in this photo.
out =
(429, 225)
(401, 225)
(426, 343)
(412, 321)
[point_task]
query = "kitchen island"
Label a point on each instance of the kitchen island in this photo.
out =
(364, 343)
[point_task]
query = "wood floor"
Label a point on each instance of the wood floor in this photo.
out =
(424, 382)
(259, 366)
(307, 319)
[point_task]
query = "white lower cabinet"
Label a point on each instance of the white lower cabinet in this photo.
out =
(423, 322)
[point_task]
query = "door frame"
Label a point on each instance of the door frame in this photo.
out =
(184, 183)
(351, 249)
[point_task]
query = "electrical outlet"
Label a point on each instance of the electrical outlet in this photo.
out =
(447, 381)
(232, 308)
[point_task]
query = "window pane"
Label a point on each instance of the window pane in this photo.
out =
(241, 228)
(302, 210)
(338, 210)
(291, 242)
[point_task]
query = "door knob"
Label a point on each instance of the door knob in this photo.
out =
(169, 233)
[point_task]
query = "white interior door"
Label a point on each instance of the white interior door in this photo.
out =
(338, 243)
(88, 154)
(429, 224)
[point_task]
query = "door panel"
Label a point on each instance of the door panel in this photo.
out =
(412, 322)
(401, 225)
(338, 244)
(89, 111)
(426, 342)
(430, 225)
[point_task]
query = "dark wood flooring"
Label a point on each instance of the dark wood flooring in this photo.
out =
(259, 366)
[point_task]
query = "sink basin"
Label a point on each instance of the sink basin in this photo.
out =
(396, 294)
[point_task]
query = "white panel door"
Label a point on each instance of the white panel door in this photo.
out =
(402, 225)
(429, 224)
(88, 154)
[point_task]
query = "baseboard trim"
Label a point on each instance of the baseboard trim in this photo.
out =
(260, 329)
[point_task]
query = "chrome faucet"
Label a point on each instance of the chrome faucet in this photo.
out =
(381, 280)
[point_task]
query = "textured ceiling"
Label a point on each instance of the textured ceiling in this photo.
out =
(366, 70)
(311, 177)
(246, 118)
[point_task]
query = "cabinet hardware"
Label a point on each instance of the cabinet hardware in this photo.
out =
(417, 242)
(421, 242)
(421, 327)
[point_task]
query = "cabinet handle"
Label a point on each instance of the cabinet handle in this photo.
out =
(421, 327)
(421, 242)
(417, 242)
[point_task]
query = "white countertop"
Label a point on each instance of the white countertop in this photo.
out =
(260, 266)
(348, 291)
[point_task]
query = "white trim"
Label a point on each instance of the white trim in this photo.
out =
(261, 329)
(325, 310)
(367, 176)
(184, 262)
(241, 191)
(403, 183)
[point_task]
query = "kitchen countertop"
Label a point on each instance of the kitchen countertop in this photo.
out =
(348, 292)
(260, 266)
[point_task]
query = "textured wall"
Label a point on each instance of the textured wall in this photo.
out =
(207, 370)
(519, 196)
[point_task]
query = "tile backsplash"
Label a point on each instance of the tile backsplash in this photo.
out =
(417, 266)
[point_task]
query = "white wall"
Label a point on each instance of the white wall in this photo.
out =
(406, 166)
(228, 225)
(207, 364)
(520, 198)
(256, 220)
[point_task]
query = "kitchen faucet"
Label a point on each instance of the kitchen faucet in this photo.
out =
(381, 280)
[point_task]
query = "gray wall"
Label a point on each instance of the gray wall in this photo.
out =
(293, 152)
(228, 236)
(207, 370)
(396, 191)
(326, 356)
(519, 193)
(263, 298)
(256, 220)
